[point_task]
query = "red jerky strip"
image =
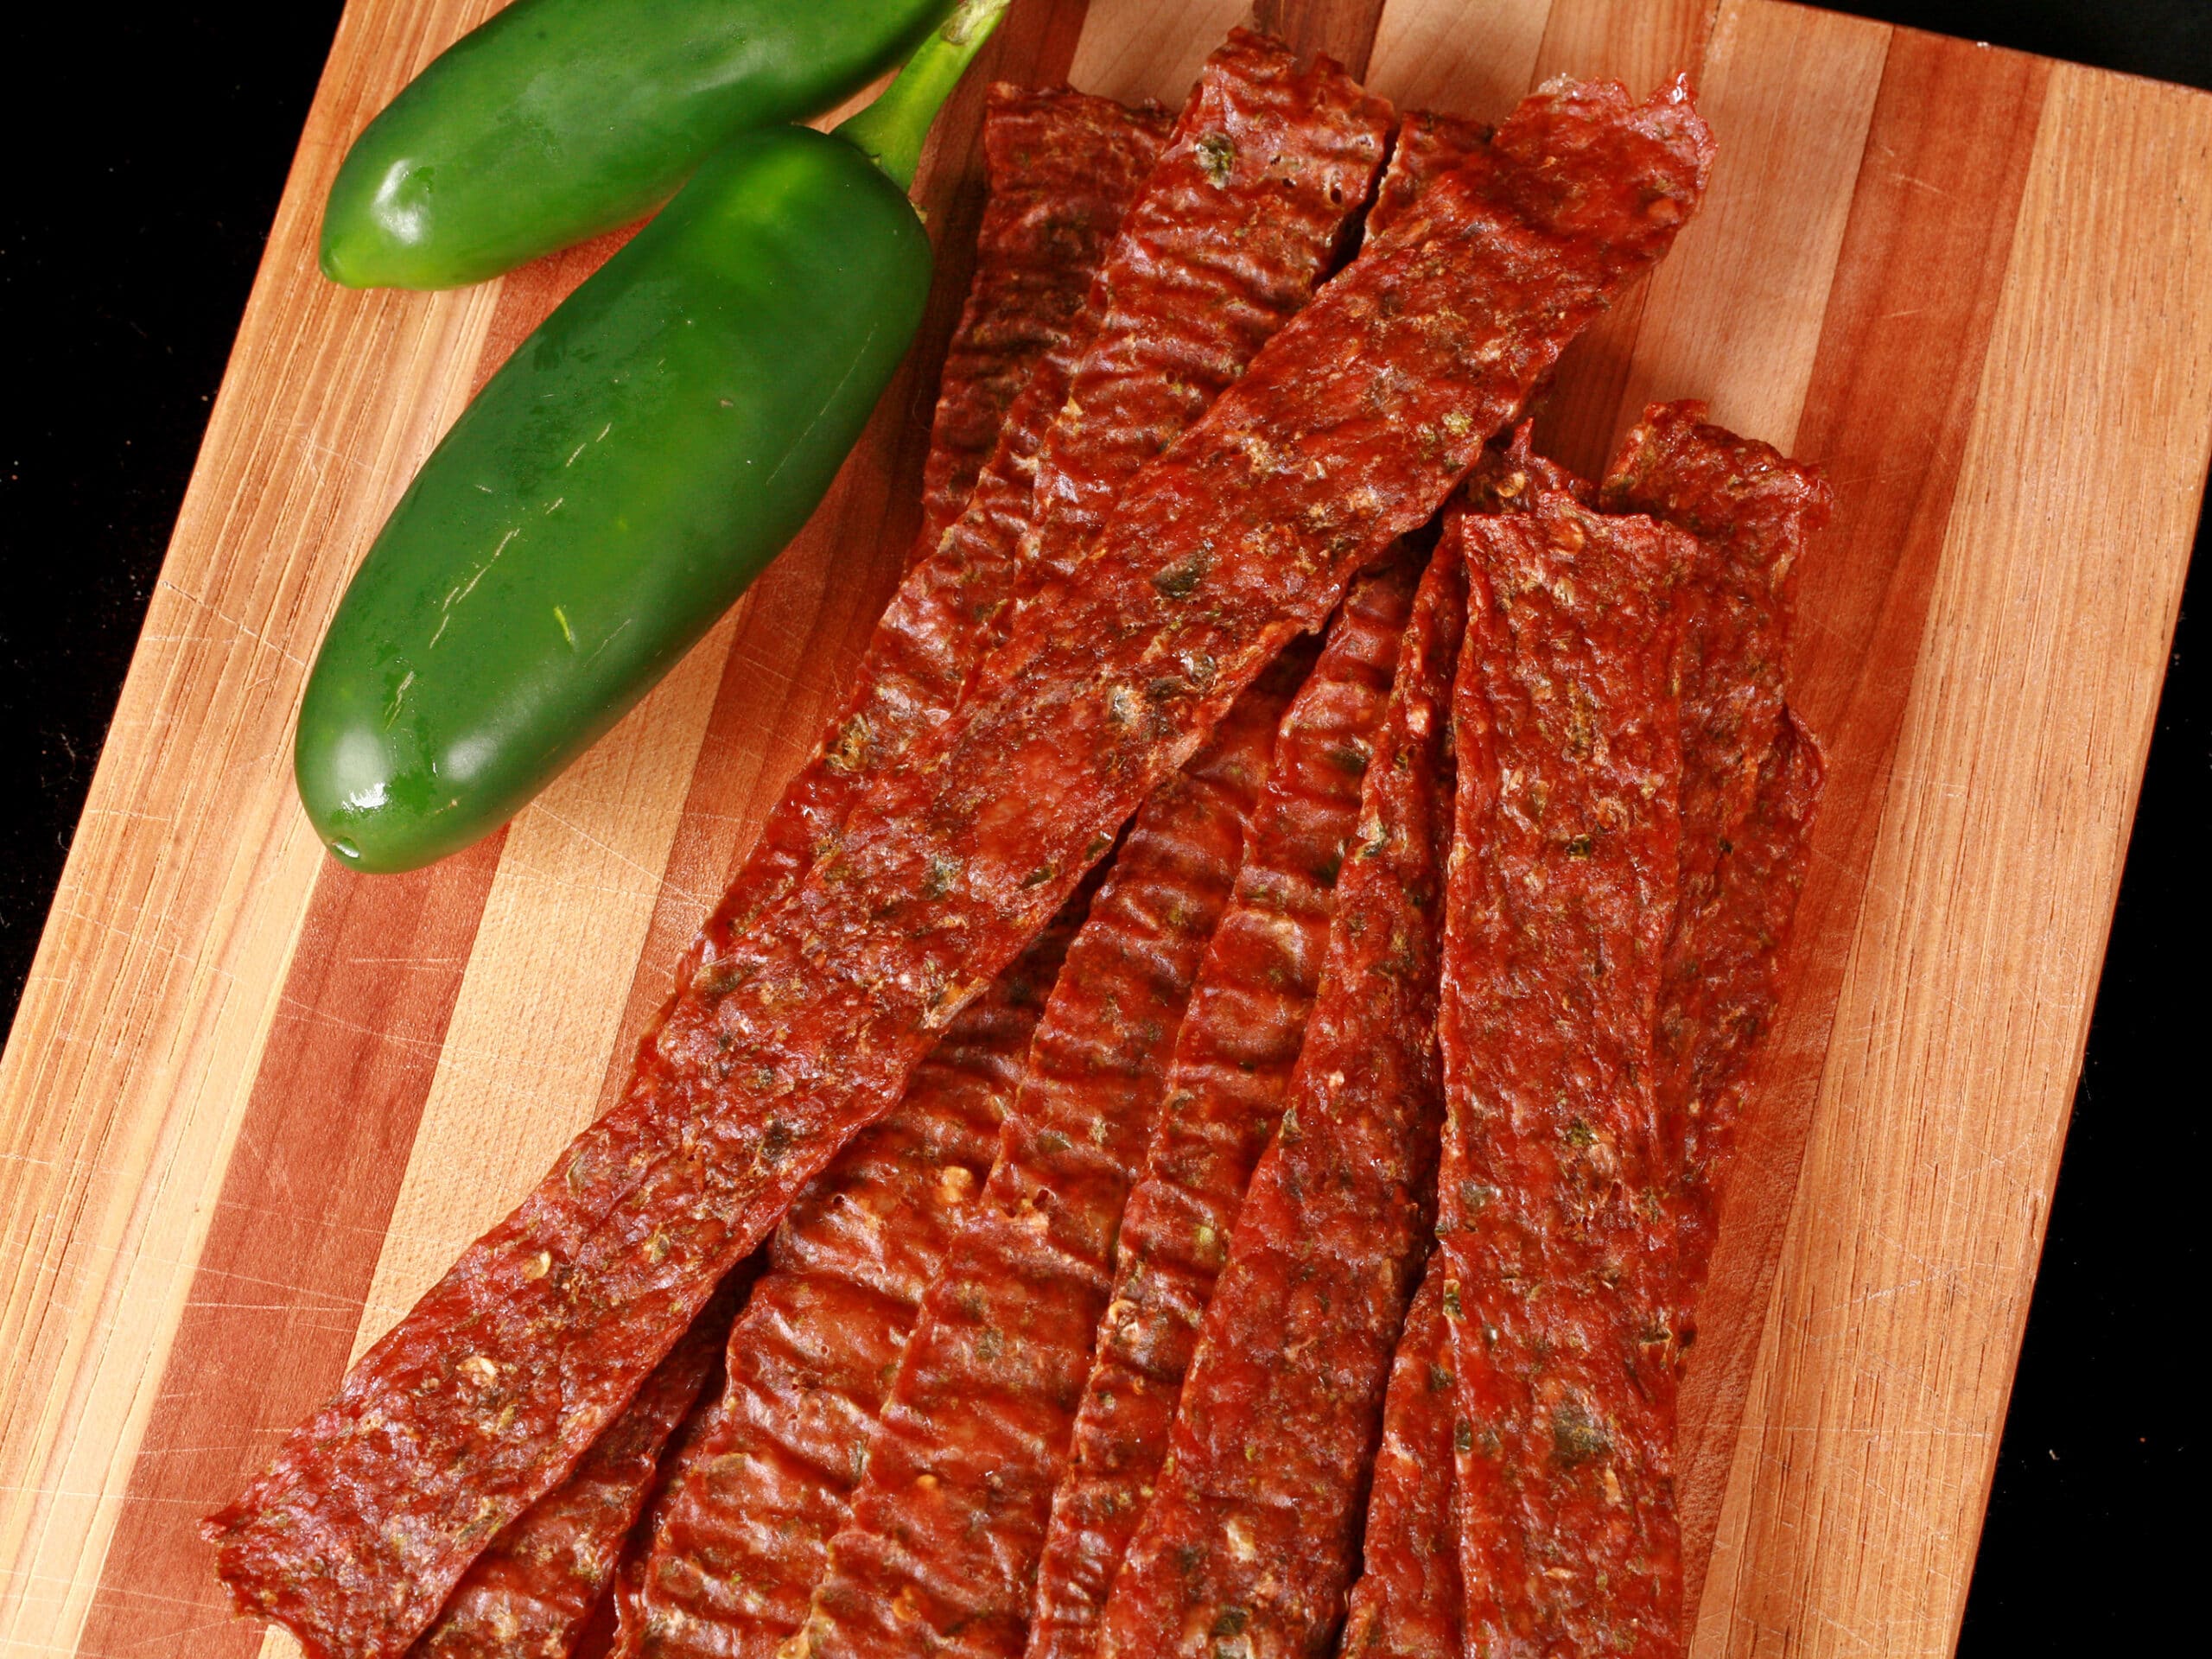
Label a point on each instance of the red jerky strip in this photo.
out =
(1061, 169)
(1348, 431)
(532, 1594)
(945, 1527)
(1755, 509)
(1426, 145)
(1736, 948)
(742, 1527)
(1224, 1091)
(1255, 1528)
(1245, 214)
(1552, 1221)
(935, 629)
(1406, 1603)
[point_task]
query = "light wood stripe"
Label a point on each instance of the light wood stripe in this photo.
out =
(1872, 1430)
(1476, 61)
(1138, 49)
(1641, 45)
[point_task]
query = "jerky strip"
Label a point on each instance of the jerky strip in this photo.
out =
(1062, 168)
(1426, 145)
(1723, 987)
(1755, 509)
(530, 1594)
(1224, 1091)
(741, 1528)
(1243, 217)
(945, 1525)
(1553, 1213)
(1256, 1523)
(1406, 1603)
(1349, 430)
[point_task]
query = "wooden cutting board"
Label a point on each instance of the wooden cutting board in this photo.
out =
(253, 1104)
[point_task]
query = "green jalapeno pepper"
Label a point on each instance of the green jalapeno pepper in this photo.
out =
(618, 482)
(558, 120)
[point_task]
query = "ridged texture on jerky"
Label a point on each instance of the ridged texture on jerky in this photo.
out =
(1224, 1089)
(741, 1528)
(1406, 1602)
(1751, 785)
(1554, 1227)
(1247, 212)
(1428, 144)
(945, 1527)
(1255, 1526)
(532, 1594)
(935, 629)
(1062, 167)
(1347, 432)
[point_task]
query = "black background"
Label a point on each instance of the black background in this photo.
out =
(146, 150)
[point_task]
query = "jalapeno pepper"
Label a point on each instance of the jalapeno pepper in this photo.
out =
(622, 478)
(559, 119)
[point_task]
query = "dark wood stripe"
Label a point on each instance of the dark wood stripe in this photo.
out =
(1342, 28)
(1888, 412)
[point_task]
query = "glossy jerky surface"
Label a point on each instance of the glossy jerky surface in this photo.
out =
(1406, 1603)
(1426, 146)
(1062, 168)
(1223, 1092)
(1247, 210)
(532, 1594)
(1349, 430)
(1254, 1529)
(945, 1525)
(1555, 1239)
(741, 1528)
(1755, 509)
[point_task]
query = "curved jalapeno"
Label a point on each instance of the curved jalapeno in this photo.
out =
(558, 120)
(618, 482)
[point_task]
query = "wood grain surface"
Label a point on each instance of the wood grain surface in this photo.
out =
(252, 1103)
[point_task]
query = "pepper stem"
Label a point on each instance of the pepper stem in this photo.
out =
(892, 130)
